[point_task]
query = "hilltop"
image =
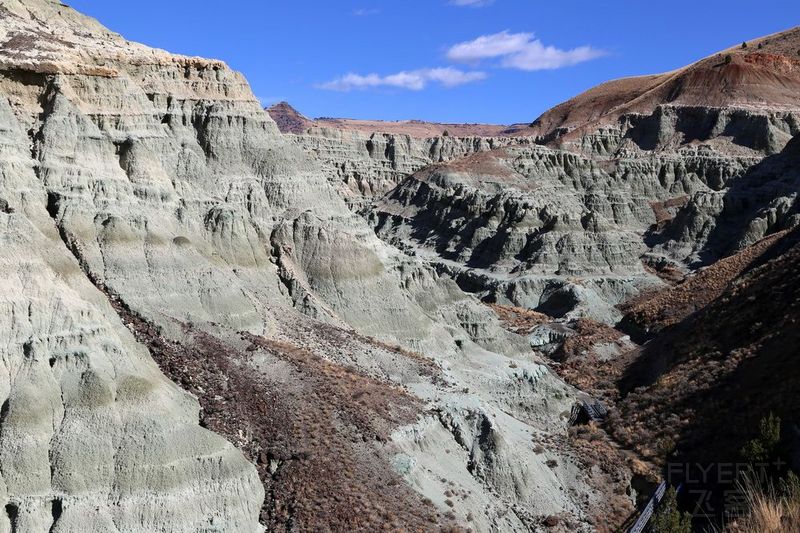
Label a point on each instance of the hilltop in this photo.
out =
(762, 72)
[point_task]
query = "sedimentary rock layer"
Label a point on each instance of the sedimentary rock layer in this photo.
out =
(157, 183)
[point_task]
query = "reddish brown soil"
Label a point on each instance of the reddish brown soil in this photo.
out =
(490, 170)
(288, 119)
(518, 319)
(766, 72)
(664, 211)
(343, 339)
(317, 435)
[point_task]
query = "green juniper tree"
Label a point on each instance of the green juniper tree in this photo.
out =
(766, 446)
(668, 518)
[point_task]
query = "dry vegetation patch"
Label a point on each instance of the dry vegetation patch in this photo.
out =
(518, 319)
(655, 310)
(699, 388)
(318, 435)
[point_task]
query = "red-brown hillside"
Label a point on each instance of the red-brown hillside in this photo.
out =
(288, 119)
(764, 73)
(700, 387)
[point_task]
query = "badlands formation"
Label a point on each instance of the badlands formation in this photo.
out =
(211, 325)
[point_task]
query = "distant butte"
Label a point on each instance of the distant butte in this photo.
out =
(289, 120)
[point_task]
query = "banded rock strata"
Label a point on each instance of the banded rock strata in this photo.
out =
(151, 190)
(364, 166)
(575, 227)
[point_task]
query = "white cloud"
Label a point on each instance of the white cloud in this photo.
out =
(520, 51)
(413, 80)
(470, 3)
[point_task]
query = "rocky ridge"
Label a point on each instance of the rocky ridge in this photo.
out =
(762, 73)
(289, 120)
(365, 166)
(366, 159)
(576, 226)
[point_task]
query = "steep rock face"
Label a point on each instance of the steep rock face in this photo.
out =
(161, 183)
(717, 223)
(731, 131)
(92, 435)
(367, 165)
(523, 224)
(630, 176)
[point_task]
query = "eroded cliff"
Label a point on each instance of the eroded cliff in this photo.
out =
(148, 190)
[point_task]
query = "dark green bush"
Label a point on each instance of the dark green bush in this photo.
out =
(765, 447)
(668, 518)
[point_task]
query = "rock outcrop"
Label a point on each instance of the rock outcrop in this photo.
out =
(149, 190)
(630, 177)
(523, 225)
(364, 166)
(366, 159)
(716, 223)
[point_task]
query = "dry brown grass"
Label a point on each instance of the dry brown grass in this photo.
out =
(769, 513)
(723, 358)
(582, 367)
(654, 311)
(608, 471)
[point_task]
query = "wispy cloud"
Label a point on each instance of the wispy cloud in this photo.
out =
(520, 51)
(366, 11)
(470, 3)
(413, 80)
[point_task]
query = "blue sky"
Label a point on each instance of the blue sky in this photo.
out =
(495, 61)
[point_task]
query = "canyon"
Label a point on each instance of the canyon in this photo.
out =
(218, 317)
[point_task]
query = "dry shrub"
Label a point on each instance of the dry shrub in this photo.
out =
(518, 319)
